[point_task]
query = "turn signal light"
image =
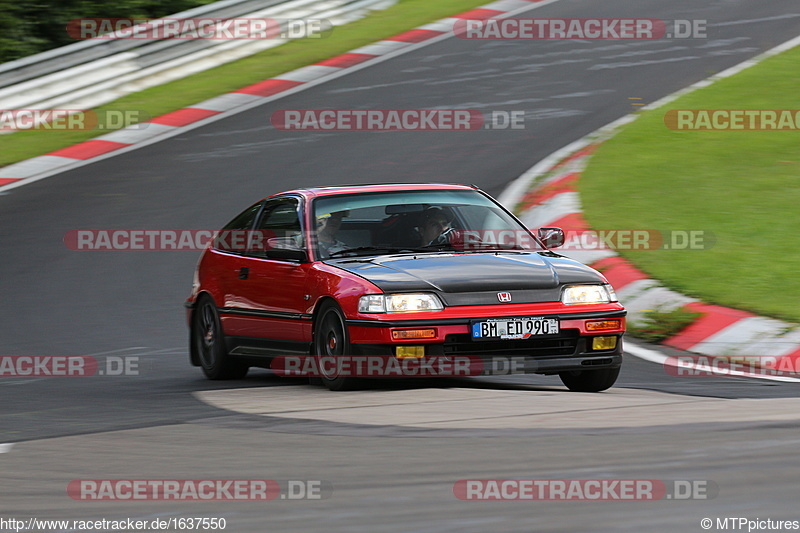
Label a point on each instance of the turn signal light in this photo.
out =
(400, 334)
(602, 325)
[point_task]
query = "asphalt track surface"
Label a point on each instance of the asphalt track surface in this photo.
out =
(387, 476)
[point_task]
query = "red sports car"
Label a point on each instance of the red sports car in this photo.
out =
(405, 272)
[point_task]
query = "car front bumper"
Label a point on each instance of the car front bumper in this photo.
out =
(570, 350)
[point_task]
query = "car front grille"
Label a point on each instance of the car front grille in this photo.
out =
(566, 343)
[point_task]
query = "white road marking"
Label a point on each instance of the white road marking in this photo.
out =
(659, 358)
(6, 447)
(752, 21)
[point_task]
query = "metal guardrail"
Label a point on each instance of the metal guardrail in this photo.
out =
(81, 52)
(90, 73)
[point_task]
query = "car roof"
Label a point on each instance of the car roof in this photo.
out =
(376, 187)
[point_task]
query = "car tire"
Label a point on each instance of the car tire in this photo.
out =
(590, 380)
(210, 344)
(331, 339)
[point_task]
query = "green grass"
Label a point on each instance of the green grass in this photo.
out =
(405, 15)
(658, 325)
(742, 186)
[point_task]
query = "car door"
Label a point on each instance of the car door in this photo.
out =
(223, 268)
(270, 292)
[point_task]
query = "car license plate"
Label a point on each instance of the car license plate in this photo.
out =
(513, 328)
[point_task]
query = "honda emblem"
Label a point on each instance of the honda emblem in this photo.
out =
(504, 296)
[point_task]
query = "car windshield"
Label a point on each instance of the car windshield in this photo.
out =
(414, 221)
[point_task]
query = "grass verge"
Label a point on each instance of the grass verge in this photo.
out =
(658, 325)
(405, 15)
(742, 186)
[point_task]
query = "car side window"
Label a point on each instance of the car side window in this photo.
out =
(279, 225)
(233, 236)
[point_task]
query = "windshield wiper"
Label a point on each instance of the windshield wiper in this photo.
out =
(358, 249)
(473, 247)
(429, 248)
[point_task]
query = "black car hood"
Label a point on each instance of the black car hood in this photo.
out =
(473, 278)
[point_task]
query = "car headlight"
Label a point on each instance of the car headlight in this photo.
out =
(588, 294)
(399, 303)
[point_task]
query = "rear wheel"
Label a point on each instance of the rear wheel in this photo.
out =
(331, 341)
(589, 380)
(210, 344)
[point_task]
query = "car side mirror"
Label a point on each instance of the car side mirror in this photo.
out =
(551, 237)
(286, 248)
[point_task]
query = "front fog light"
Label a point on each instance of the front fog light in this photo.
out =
(604, 343)
(410, 352)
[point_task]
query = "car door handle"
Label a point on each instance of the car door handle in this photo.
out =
(244, 272)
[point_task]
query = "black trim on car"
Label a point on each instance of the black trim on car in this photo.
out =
(466, 321)
(264, 314)
(259, 348)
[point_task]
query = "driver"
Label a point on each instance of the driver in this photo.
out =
(327, 227)
(435, 226)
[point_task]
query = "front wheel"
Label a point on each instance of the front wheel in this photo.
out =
(589, 380)
(210, 344)
(331, 341)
